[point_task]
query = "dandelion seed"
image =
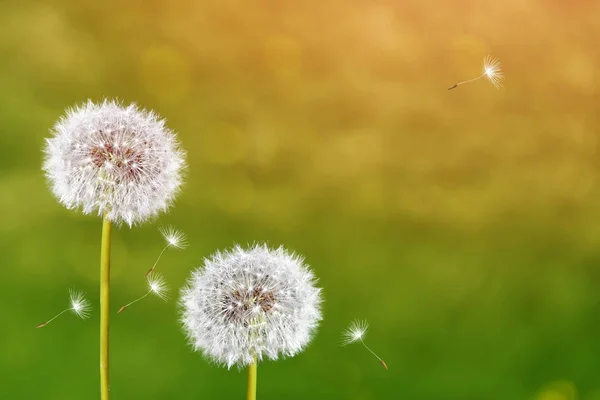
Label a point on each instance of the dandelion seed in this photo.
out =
(79, 305)
(244, 305)
(156, 285)
(356, 332)
(491, 70)
(159, 287)
(174, 238)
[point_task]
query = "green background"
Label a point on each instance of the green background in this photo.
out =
(463, 225)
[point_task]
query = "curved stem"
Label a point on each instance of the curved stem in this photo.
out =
(135, 301)
(156, 262)
(104, 308)
(467, 81)
(53, 318)
(251, 392)
(372, 352)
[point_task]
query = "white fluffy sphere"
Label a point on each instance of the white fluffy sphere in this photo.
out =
(246, 304)
(114, 160)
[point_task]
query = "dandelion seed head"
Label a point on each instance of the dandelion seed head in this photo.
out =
(356, 331)
(173, 237)
(79, 304)
(250, 303)
(158, 286)
(117, 160)
(493, 70)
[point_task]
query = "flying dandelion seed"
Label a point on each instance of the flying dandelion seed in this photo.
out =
(156, 285)
(356, 332)
(79, 305)
(492, 70)
(174, 238)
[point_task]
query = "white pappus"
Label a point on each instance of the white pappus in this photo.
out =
(244, 305)
(115, 160)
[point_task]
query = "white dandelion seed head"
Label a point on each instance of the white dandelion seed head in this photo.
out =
(493, 70)
(355, 332)
(115, 160)
(250, 303)
(79, 304)
(158, 286)
(173, 237)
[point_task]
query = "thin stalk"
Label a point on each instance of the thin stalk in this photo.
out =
(133, 302)
(251, 392)
(52, 319)
(372, 352)
(104, 308)
(156, 262)
(463, 82)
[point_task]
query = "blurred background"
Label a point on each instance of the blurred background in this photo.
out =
(463, 225)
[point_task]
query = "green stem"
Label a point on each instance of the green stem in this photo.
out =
(372, 352)
(104, 308)
(156, 262)
(133, 302)
(251, 392)
(56, 316)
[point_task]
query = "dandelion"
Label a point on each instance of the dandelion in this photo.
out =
(120, 162)
(244, 305)
(156, 285)
(356, 332)
(79, 305)
(174, 238)
(491, 70)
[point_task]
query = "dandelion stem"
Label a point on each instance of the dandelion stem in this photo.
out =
(372, 352)
(104, 308)
(251, 392)
(467, 81)
(53, 318)
(156, 262)
(135, 301)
